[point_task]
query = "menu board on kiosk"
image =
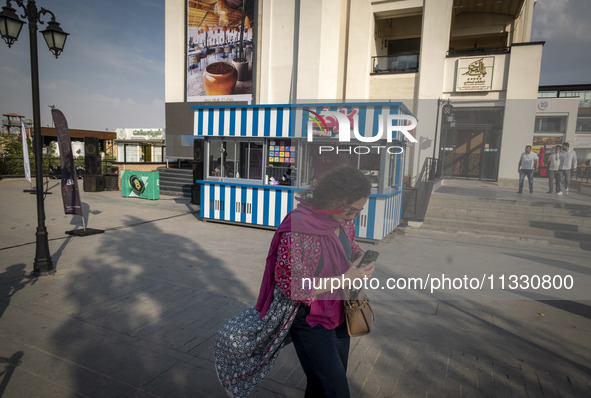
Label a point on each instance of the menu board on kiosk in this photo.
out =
(282, 152)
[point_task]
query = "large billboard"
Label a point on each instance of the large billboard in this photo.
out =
(220, 50)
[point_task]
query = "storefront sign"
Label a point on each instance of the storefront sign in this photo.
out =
(140, 134)
(475, 74)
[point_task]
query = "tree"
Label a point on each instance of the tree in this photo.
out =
(13, 146)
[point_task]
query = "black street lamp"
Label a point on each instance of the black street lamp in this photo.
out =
(55, 37)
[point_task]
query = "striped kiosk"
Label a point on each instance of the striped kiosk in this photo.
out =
(259, 158)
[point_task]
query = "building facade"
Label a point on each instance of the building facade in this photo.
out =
(140, 145)
(466, 69)
(564, 114)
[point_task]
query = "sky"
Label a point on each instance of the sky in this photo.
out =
(111, 72)
(565, 28)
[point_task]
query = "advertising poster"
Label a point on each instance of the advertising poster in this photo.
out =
(140, 184)
(544, 147)
(219, 50)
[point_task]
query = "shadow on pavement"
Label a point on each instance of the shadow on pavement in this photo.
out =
(145, 310)
(10, 365)
(12, 280)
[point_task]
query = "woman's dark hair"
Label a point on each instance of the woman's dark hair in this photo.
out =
(346, 184)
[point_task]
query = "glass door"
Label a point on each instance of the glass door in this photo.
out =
(471, 148)
(491, 150)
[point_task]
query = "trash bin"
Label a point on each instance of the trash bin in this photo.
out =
(140, 184)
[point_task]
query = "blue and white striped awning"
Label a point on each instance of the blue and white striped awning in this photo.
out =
(243, 121)
(285, 120)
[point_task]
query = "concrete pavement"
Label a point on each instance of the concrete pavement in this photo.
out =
(133, 312)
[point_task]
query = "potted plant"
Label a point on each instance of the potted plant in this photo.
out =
(240, 62)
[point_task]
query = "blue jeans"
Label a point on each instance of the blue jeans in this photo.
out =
(530, 179)
(323, 354)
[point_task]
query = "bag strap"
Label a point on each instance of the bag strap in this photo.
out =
(342, 236)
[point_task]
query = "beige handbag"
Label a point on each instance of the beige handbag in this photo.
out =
(358, 313)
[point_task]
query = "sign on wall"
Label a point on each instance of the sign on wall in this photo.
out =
(140, 134)
(475, 74)
(219, 50)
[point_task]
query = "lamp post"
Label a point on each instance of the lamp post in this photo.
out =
(55, 37)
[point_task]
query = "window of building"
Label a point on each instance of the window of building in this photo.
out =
(403, 55)
(583, 158)
(397, 43)
(128, 153)
(550, 124)
(583, 125)
(140, 152)
(404, 47)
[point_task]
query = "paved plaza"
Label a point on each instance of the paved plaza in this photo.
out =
(133, 312)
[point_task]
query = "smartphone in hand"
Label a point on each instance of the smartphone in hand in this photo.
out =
(368, 257)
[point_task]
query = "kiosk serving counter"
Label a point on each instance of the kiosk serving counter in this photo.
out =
(258, 158)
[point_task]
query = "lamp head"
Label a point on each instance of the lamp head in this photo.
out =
(10, 25)
(55, 37)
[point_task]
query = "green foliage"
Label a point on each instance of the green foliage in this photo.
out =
(14, 145)
(14, 166)
(109, 157)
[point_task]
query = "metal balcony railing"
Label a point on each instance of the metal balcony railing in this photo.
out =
(460, 52)
(395, 64)
(13, 123)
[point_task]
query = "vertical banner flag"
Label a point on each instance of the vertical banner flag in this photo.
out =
(70, 191)
(26, 162)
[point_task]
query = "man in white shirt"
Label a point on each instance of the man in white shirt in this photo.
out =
(568, 164)
(528, 164)
(554, 170)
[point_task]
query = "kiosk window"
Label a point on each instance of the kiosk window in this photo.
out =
(281, 161)
(395, 170)
(236, 159)
(322, 157)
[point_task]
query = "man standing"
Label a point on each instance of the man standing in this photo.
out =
(528, 164)
(553, 170)
(568, 164)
